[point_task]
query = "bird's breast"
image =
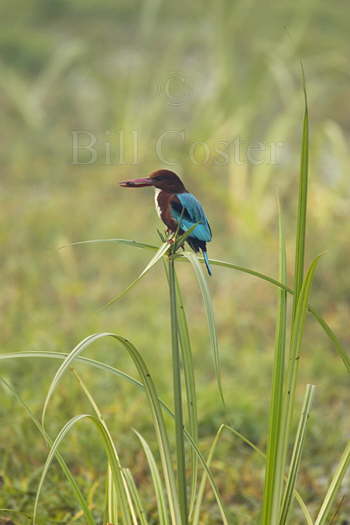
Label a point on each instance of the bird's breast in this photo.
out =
(162, 202)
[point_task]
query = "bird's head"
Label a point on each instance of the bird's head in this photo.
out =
(162, 179)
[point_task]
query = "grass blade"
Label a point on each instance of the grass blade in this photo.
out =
(160, 253)
(112, 498)
(198, 504)
(190, 384)
(134, 494)
(115, 487)
(191, 398)
(342, 352)
(210, 478)
(126, 242)
(155, 406)
(75, 488)
(112, 458)
(210, 317)
(302, 202)
(296, 455)
(297, 333)
(274, 465)
(135, 382)
(342, 467)
(179, 424)
(299, 499)
(157, 482)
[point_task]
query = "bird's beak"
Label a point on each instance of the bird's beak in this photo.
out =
(136, 183)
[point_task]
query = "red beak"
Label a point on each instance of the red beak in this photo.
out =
(136, 183)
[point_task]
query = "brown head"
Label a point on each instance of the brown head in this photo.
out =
(162, 179)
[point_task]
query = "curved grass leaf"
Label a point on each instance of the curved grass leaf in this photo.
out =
(72, 482)
(112, 459)
(158, 422)
(160, 253)
(342, 352)
(114, 486)
(135, 382)
(126, 242)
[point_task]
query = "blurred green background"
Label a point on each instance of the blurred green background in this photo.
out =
(211, 90)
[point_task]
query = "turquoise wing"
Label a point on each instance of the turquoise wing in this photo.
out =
(185, 208)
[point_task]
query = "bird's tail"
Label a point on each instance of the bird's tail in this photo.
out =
(205, 256)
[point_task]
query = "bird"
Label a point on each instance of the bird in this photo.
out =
(179, 209)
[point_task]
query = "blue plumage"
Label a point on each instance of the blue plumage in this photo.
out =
(187, 212)
(193, 213)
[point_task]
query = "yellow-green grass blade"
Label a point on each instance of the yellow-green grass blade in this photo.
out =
(243, 438)
(296, 455)
(114, 485)
(190, 384)
(210, 317)
(199, 499)
(191, 398)
(135, 496)
(302, 202)
(138, 384)
(274, 465)
(177, 391)
(158, 255)
(298, 497)
(112, 498)
(130, 499)
(338, 476)
(211, 480)
(342, 352)
(297, 332)
(111, 455)
(162, 437)
(157, 482)
(87, 394)
(126, 242)
(72, 482)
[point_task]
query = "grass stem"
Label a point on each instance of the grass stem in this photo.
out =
(179, 426)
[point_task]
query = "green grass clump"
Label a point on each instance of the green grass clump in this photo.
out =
(213, 72)
(172, 487)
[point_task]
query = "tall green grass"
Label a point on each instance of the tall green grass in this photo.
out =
(174, 474)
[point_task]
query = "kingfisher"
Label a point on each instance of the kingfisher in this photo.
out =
(177, 208)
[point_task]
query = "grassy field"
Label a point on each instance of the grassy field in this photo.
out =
(212, 91)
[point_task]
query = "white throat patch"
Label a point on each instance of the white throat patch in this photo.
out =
(156, 193)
